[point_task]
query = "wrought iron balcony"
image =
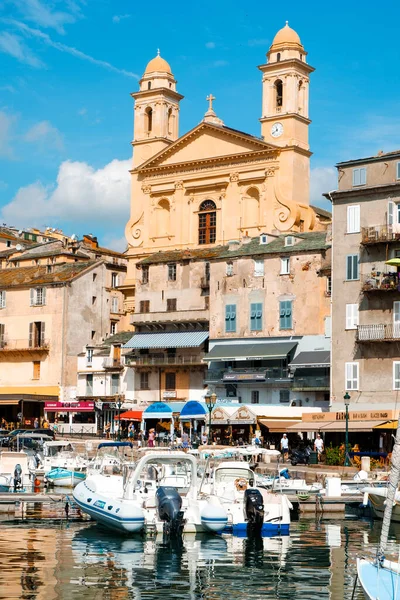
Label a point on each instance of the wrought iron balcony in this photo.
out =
(25, 345)
(310, 382)
(381, 332)
(242, 375)
(379, 234)
(113, 363)
(160, 360)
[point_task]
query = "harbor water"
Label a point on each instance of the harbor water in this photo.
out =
(45, 556)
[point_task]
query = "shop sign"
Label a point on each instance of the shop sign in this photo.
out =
(169, 394)
(364, 415)
(219, 415)
(243, 415)
(69, 406)
(244, 376)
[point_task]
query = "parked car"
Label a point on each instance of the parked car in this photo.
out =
(6, 440)
(3, 433)
(43, 431)
(29, 441)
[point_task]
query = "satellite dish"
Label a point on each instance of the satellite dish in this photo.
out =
(74, 237)
(20, 232)
(18, 247)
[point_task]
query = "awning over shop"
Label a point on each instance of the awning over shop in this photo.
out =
(162, 410)
(275, 426)
(193, 410)
(267, 350)
(69, 406)
(130, 415)
(334, 426)
(176, 339)
(8, 402)
(315, 359)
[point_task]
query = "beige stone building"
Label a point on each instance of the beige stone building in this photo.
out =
(365, 288)
(56, 297)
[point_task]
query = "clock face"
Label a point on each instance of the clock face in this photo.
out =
(276, 130)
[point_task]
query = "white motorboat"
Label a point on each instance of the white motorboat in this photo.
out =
(284, 484)
(60, 464)
(14, 471)
(157, 493)
(377, 497)
(231, 485)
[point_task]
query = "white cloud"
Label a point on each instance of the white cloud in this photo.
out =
(322, 180)
(81, 196)
(46, 39)
(8, 88)
(42, 14)
(210, 45)
(119, 18)
(12, 45)
(82, 111)
(115, 243)
(46, 135)
(6, 123)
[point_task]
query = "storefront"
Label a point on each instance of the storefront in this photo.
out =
(193, 417)
(163, 417)
(72, 416)
(364, 427)
(221, 428)
(21, 406)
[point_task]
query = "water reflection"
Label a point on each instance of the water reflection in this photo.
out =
(44, 560)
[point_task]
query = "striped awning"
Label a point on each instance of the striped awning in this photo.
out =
(176, 339)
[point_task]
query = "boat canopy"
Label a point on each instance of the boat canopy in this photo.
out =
(114, 444)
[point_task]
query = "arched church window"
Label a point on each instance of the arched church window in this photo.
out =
(278, 57)
(207, 222)
(149, 119)
(300, 94)
(251, 208)
(149, 85)
(279, 93)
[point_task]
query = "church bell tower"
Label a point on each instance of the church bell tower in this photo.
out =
(285, 119)
(156, 112)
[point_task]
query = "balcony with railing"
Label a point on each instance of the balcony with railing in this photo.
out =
(380, 332)
(311, 383)
(250, 375)
(113, 363)
(156, 360)
(378, 281)
(379, 234)
(24, 345)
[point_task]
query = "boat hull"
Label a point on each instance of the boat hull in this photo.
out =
(64, 477)
(378, 582)
(377, 498)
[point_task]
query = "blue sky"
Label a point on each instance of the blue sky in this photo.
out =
(67, 68)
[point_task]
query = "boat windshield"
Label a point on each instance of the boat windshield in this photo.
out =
(109, 459)
(57, 449)
(166, 472)
(223, 475)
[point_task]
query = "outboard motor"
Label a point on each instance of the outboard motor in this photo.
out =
(254, 508)
(169, 504)
(17, 477)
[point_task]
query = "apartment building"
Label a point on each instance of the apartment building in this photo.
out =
(55, 297)
(365, 285)
(255, 312)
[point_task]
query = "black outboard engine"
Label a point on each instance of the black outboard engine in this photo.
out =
(17, 477)
(254, 508)
(169, 504)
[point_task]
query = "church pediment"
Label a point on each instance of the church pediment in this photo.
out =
(207, 142)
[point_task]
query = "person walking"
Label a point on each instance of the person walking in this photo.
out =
(319, 446)
(204, 438)
(151, 439)
(36, 423)
(285, 447)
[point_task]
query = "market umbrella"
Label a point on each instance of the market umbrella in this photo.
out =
(130, 415)
(393, 262)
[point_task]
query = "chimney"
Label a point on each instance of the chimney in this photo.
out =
(233, 245)
(246, 238)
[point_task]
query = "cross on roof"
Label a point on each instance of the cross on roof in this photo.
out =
(210, 99)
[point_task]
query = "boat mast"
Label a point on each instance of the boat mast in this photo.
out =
(392, 487)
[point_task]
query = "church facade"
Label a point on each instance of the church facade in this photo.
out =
(214, 183)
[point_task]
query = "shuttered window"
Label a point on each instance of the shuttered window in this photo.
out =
(351, 316)
(398, 170)
(2, 335)
(353, 219)
(38, 296)
(285, 314)
(351, 376)
(256, 310)
(230, 318)
(352, 267)
(360, 176)
(2, 299)
(258, 268)
(37, 334)
(396, 375)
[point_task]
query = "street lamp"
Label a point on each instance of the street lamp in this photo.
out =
(346, 399)
(119, 404)
(210, 402)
